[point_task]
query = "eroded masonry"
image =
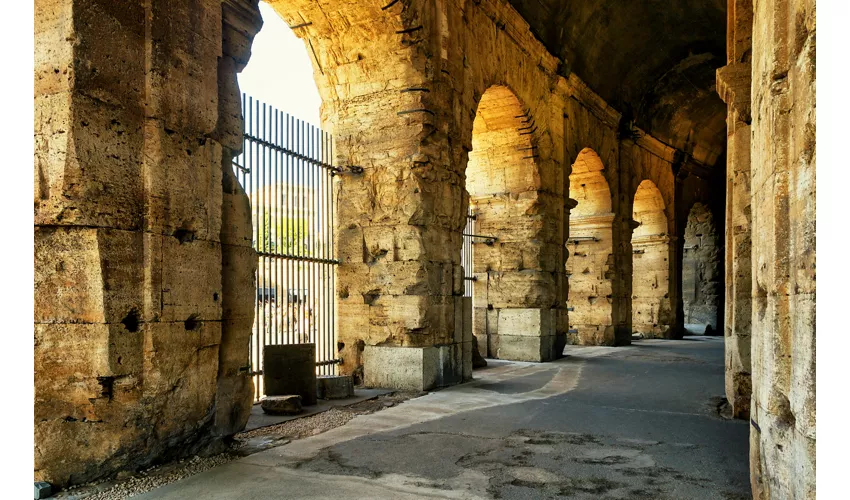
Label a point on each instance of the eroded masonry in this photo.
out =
(626, 185)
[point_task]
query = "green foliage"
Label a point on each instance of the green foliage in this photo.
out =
(290, 236)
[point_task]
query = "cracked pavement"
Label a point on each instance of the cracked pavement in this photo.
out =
(632, 422)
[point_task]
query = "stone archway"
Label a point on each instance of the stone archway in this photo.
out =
(590, 261)
(701, 272)
(651, 309)
(513, 318)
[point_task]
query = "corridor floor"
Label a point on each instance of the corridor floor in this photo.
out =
(631, 422)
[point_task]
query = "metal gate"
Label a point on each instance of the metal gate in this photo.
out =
(468, 249)
(285, 167)
(466, 255)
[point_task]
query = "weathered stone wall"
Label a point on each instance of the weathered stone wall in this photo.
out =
(652, 313)
(512, 309)
(701, 270)
(734, 82)
(783, 411)
(379, 73)
(590, 263)
(489, 45)
(401, 86)
(589, 122)
(143, 260)
(654, 235)
(140, 235)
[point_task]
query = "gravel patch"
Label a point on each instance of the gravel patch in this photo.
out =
(335, 417)
(244, 444)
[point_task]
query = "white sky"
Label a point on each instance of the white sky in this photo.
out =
(280, 72)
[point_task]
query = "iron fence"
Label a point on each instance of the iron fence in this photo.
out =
(466, 255)
(286, 169)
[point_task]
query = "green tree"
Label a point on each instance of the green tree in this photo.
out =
(290, 236)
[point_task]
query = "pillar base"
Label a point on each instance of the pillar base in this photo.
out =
(417, 368)
(522, 334)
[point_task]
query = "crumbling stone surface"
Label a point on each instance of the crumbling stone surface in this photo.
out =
(783, 410)
(142, 243)
(651, 304)
(734, 82)
(144, 267)
(590, 260)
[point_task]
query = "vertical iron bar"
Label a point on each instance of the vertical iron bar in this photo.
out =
(312, 238)
(327, 234)
(263, 206)
(289, 231)
(277, 221)
(332, 283)
(325, 370)
(298, 301)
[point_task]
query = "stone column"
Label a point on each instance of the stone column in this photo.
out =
(733, 85)
(783, 180)
(235, 388)
(128, 235)
(399, 200)
(590, 267)
(621, 311)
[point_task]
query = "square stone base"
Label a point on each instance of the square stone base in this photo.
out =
(417, 368)
(519, 334)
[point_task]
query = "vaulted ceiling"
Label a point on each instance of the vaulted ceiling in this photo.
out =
(654, 60)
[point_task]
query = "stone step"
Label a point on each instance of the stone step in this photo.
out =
(282, 405)
(334, 386)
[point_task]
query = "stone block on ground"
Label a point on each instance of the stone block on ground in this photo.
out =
(290, 369)
(335, 386)
(43, 490)
(282, 405)
(406, 368)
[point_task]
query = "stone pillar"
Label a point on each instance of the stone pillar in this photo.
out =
(621, 312)
(783, 180)
(733, 85)
(516, 291)
(399, 200)
(129, 286)
(590, 268)
(235, 388)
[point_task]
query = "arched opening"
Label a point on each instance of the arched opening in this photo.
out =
(280, 72)
(282, 170)
(501, 184)
(651, 310)
(701, 280)
(590, 258)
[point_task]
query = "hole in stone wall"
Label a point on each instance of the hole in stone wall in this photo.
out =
(192, 323)
(131, 321)
(106, 386)
(371, 296)
(184, 235)
(215, 296)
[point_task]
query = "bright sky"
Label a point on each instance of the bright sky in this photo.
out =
(280, 72)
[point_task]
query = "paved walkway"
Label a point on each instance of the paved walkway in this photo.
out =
(631, 422)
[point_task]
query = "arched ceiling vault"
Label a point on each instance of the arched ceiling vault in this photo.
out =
(652, 59)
